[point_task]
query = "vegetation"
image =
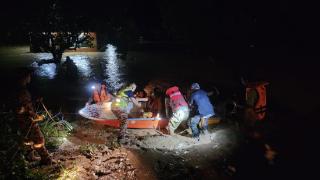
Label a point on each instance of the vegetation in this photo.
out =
(12, 160)
(55, 130)
(55, 33)
(13, 164)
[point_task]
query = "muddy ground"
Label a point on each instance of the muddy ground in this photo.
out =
(92, 152)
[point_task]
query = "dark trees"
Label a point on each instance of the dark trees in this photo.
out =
(56, 30)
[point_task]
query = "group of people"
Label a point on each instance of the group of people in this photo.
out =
(100, 95)
(181, 109)
(122, 103)
(125, 100)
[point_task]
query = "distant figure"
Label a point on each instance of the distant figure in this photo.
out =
(27, 118)
(179, 108)
(256, 101)
(200, 99)
(121, 107)
(71, 68)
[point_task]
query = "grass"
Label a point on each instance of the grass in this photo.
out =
(55, 130)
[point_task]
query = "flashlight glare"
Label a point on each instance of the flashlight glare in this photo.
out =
(93, 87)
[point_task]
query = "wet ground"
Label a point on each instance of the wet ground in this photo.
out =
(91, 152)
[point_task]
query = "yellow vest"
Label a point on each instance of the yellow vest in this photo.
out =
(121, 101)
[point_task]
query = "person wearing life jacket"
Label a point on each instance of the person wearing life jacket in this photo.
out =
(95, 97)
(204, 110)
(104, 95)
(121, 106)
(27, 119)
(179, 106)
(256, 100)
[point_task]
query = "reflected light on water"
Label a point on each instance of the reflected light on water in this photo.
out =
(83, 64)
(113, 68)
(46, 70)
(41, 56)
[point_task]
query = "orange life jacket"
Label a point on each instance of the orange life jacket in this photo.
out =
(176, 98)
(96, 96)
(258, 90)
(104, 96)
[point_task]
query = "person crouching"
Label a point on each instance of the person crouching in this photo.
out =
(205, 110)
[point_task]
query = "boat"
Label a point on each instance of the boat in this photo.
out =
(102, 114)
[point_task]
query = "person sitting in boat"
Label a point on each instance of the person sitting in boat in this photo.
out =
(95, 98)
(179, 108)
(105, 96)
(121, 107)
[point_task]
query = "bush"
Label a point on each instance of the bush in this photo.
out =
(55, 130)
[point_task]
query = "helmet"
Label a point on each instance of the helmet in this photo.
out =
(195, 86)
(172, 90)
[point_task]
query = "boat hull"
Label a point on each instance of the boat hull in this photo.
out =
(136, 124)
(133, 123)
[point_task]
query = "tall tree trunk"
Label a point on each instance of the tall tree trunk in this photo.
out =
(57, 56)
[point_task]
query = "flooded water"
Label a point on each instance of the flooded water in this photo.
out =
(115, 67)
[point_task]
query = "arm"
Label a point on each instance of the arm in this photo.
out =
(133, 99)
(135, 102)
(191, 100)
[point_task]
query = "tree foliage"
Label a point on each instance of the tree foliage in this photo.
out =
(56, 32)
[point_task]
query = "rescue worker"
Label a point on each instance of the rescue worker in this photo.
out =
(256, 98)
(121, 106)
(179, 107)
(204, 108)
(104, 95)
(27, 119)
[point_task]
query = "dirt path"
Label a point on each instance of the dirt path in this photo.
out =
(92, 152)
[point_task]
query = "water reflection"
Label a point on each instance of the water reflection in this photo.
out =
(112, 71)
(46, 70)
(83, 64)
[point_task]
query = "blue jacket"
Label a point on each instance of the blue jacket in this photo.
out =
(201, 100)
